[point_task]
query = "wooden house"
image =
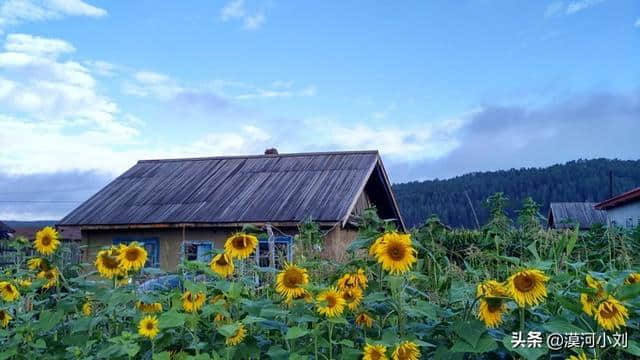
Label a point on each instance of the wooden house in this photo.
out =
(183, 208)
(623, 210)
(566, 215)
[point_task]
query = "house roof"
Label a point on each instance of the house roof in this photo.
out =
(563, 215)
(621, 199)
(5, 230)
(271, 188)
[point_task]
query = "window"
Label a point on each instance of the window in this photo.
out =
(197, 251)
(629, 223)
(149, 244)
(282, 249)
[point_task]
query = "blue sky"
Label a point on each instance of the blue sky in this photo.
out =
(441, 88)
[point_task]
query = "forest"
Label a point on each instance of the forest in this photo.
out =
(579, 180)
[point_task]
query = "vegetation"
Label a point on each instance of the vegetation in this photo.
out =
(434, 293)
(581, 180)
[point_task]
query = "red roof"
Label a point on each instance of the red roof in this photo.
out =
(618, 200)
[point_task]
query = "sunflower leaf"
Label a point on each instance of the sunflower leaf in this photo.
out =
(296, 332)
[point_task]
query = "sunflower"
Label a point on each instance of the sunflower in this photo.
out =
(46, 241)
(148, 327)
(132, 257)
(306, 296)
(611, 314)
(149, 308)
(191, 302)
(352, 297)
(108, 263)
(490, 311)
(37, 264)
(581, 356)
(589, 301)
(237, 336)
(51, 276)
(527, 287)
(406, 351)
(330, 302)
(290, 281)
(351, 280)
(240, 245)
(491, 288)
(396, 254)
(364, 320)
(87, 309)
(222, 264)
(632, 279)
(8, 291)
(25, 283)
(4, 318)
(374, 352)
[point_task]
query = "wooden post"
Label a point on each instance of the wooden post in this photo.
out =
(272, 255)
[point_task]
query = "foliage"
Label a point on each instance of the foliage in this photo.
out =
(429, 304)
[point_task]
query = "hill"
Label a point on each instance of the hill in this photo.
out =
(580, 180)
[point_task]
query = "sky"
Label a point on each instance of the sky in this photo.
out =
(440, 88)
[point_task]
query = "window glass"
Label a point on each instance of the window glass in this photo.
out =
(198, 251)
(282, 250)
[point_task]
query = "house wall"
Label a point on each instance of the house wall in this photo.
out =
(170, 241)
(626, 216)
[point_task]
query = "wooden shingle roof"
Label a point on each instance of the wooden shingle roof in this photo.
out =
(238, 189)
(563, 215)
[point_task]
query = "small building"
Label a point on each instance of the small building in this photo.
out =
(623, 210)
(6, 232)
(183, 208)
(566, 215)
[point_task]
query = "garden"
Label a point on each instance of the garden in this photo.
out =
(498, 292)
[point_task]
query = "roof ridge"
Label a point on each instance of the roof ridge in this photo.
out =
(349, 152)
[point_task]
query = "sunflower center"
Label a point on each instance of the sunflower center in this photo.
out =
(8, 288)
(292, 278)
(2, 315)
(149, 326)
(632, 280)
(46, 240)
(494, 306)
(348, 296)
(523, 283)
(608, 311)
(110, 262)
(239, 242)
(49, 275)
(331, 301)
(396, 252)
(132, 254)
(376, 355)
(222, 261)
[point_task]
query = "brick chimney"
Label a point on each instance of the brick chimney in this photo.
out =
(271, 151)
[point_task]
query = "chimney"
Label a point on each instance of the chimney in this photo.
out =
(271, 151)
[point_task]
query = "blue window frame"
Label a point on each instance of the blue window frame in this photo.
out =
(283, 251)
(197, 250)
(150, 244)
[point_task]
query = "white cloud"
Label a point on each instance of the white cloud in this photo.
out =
(577, 6)
(13, 12)
(35, 45)
(236, 10)
(151, 84)
(637, 23)
(555, 8)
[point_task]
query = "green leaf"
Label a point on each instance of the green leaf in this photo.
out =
(470, 331)
(40, 344)
(562, 326)
(485, 344)
(346, 342)
(570, 304)
(228, 330)
(165, 355)
(627, 292)
(296, 332)
(632, 348)
(171, 319)
(338, 320)
(277, 352)
(527, 353)
(252, 319)
(49, 319)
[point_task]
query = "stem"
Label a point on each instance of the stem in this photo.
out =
(330, 341)
(522, 319)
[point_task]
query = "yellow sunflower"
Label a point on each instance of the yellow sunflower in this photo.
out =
(351, 280)
(25, 283)
(330, 303)
(240, 245)
(132, 257)
(352, 297)
(237, 337)
(148, 327)
(290, 281)
(8, 291)
(51, 276)
(406, 351)
(37, 264)
(46, 241)
(632, 279)
(611, 314)
(191, 302)
(589, 301)
(222, 264)
(491, 288)
(581, 356)
(149, 308)
(306, 296)
(364, 320)
(374, 352)
(490, 311)
(528, 287)
(108, 263)
(395, 253)
(4, 318)
(87, 309)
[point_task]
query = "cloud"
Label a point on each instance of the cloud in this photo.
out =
(577, 6)
(235, 10)
(637, 23)
(502, 137)
(14, 12)
(553, 9)
(35, 45)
